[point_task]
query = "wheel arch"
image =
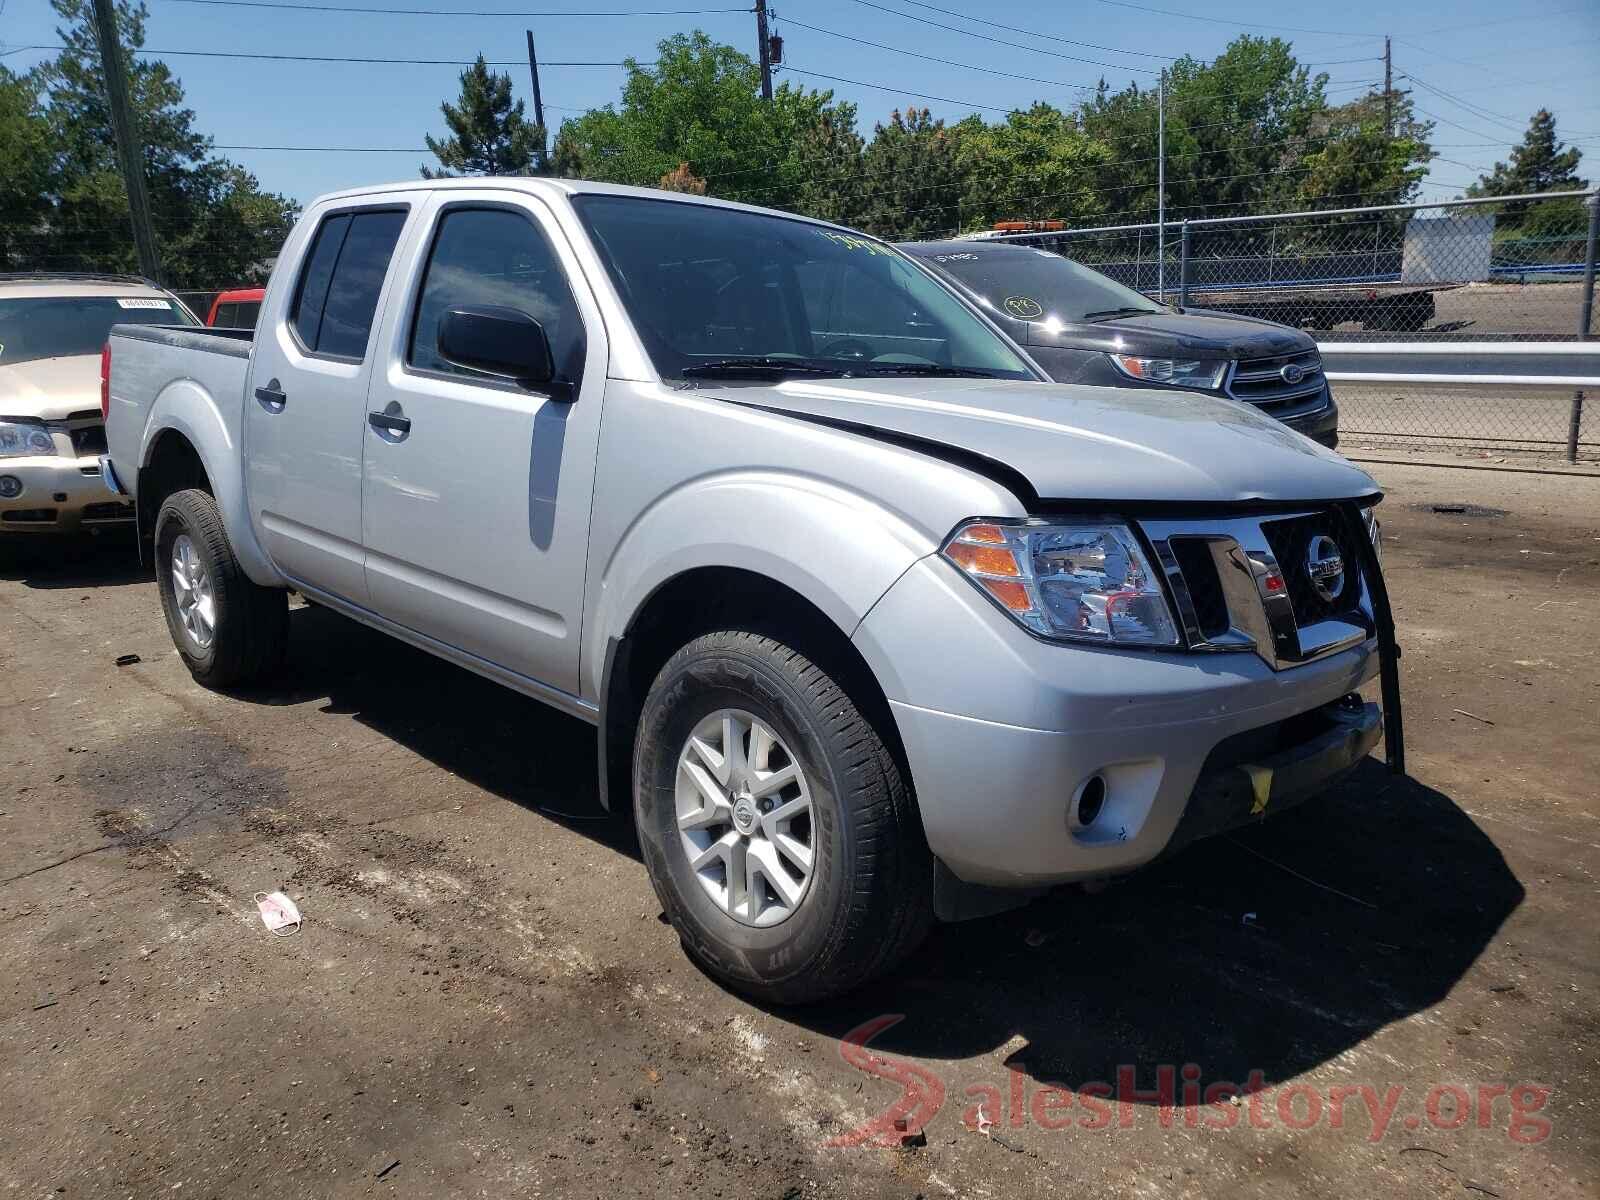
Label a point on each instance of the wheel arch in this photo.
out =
(187, 443)
(703, 599)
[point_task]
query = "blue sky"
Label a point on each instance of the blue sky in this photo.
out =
(1478, 69)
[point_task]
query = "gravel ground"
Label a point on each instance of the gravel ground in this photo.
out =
(485, 1001)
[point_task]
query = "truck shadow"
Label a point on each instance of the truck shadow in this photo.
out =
(55, 562)
(1228, 955)
(494, 738)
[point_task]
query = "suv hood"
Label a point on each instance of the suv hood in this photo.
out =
(1071, 442)
(1193, 331)
(50, 389)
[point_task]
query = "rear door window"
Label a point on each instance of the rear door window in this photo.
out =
(342, 281)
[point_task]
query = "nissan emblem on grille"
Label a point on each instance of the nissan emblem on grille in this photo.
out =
(1292, 373)
(1325, 566)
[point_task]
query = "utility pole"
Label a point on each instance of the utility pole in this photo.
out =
(766, 49)
(538, 107)
(129, 150)
(1161, 187)
(1388, 89)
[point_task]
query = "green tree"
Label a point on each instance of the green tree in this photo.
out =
(489, 133)
(829, 158)
(913, 175)
(26, 166)
(699, 105)
(214, 226)
(1351, 151)
(1538, 164)
(1035, 164)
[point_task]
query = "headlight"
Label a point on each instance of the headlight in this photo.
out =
(1374, 531)
(1087, 580)
(1177, 372)
(17, 440)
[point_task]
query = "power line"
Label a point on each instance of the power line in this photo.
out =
(882, 87)
(1020, 29)
(1167, 12)
(949, 62)
(331, 58)
(1093, 62)
(450, 12)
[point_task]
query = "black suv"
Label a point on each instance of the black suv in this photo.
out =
(1083, 327)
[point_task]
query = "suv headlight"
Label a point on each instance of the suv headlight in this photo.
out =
(1176, 372)
(18, 440)
(1087, 580)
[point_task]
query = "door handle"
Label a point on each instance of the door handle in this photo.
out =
(271, 397)
(389, 423)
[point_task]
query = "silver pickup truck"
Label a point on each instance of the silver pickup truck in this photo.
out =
(874, 623)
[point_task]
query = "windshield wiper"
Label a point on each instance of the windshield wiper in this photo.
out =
(1127, 310)
(919, 369)
(757, 368)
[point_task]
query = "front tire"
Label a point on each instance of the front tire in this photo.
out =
(776, 824)
(228, 630)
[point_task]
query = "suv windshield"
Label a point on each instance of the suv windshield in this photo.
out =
(1036, 285)
(715, 291)
(62, 326)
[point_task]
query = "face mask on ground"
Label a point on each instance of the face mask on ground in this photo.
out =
(278, 913)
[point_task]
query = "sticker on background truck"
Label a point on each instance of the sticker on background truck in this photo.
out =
(140, 302)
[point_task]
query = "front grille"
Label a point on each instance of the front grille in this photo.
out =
(1245, 583)
(1290, 541)
(1205, 588)
(108, 510)
(29, 516)
(91, 439)
(1260, 381)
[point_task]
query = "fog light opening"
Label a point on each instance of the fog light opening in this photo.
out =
(10, 487)
(1090, 800)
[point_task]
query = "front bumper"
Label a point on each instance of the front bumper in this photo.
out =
(1002, 731)
(59, 494)
(1321, 425)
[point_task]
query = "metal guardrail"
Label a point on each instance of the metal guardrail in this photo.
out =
(1463, 373)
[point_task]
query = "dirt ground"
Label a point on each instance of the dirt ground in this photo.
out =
(485, 1001)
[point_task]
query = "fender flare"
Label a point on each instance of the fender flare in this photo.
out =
(186, 408)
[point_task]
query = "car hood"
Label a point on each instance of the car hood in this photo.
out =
(1072, 442)
(50, 389)
(1193, 331)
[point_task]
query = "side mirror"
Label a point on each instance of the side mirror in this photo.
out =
(498, 341)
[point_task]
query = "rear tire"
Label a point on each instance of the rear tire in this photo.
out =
(229, 630)
(856, 887)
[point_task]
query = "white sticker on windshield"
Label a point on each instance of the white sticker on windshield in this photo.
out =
(140, 302)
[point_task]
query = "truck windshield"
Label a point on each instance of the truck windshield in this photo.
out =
(63, 326)
(1037, 285)
(715, 291)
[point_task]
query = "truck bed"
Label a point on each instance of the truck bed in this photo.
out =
(189, 375)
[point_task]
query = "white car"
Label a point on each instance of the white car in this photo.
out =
(52, 423)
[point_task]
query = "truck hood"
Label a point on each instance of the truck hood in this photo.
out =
(1195, 331)
(1071, 442)
(50, 389)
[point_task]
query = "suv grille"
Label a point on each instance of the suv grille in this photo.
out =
(1264, 382)
(90, 439)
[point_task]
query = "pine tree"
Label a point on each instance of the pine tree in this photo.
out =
(489, 134)
(1539, 164)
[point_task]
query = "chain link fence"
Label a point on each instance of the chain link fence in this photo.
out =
(1515, 269)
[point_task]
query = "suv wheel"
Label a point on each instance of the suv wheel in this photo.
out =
(228, 630)
(776, 825)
